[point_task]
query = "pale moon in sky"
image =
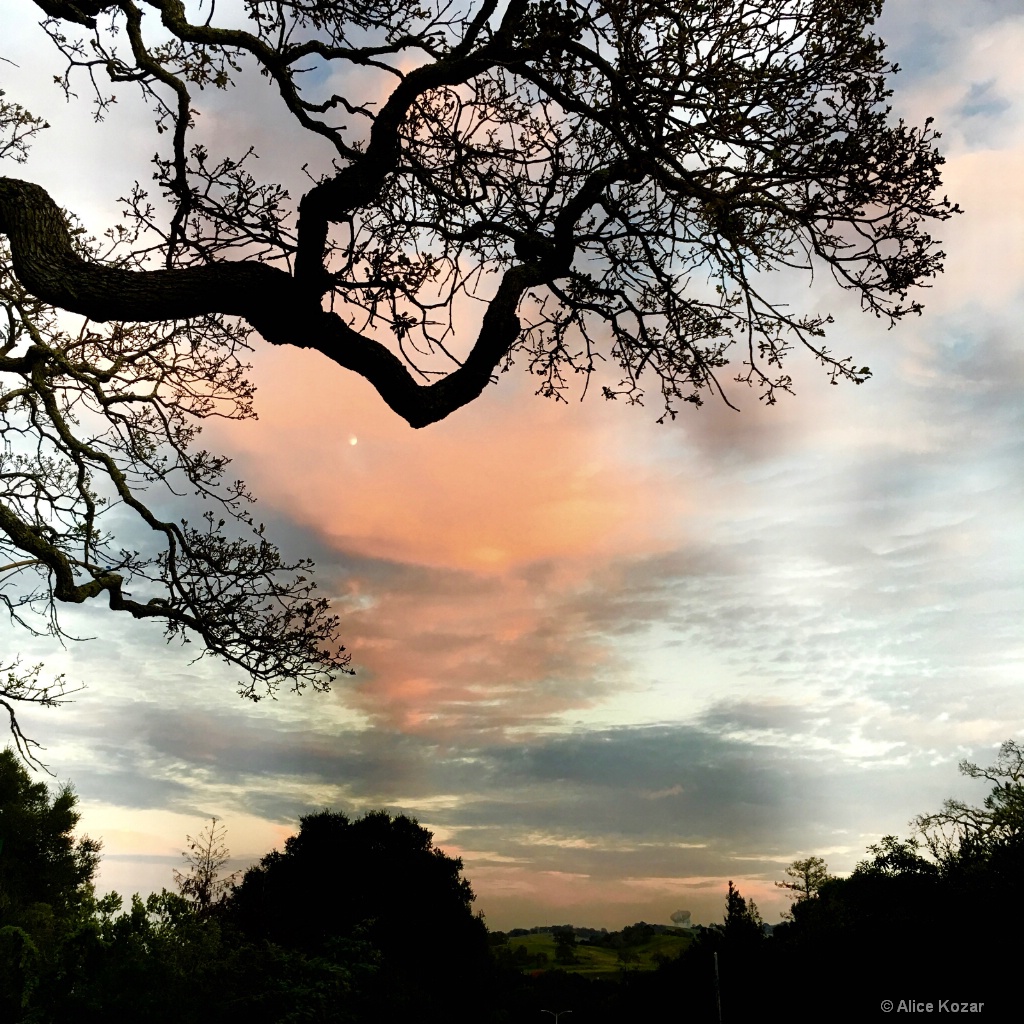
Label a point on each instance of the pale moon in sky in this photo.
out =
(353, 439)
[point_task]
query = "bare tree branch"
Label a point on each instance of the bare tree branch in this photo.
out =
(20, 686)
(607, 183)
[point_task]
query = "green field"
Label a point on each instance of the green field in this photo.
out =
(600, 959)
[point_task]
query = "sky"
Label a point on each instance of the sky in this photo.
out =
(611, 664)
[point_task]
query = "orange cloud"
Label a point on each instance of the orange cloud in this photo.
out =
(510, 480)
(501, 523)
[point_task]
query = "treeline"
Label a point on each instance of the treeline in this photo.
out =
(630, 935)
(924, 925)
(361, 919)
(354, 919)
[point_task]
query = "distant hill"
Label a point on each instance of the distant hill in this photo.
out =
(590, 951)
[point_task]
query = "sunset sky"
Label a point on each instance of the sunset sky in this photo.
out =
(609, 663)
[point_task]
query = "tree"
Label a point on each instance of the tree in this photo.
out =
(807, 877)
(899, 898)
(565, 944)
(960, 829)
(155, 960)
(627, 957)
(605, 183)
(46, 882)
(896, 858)
(342, 893)
(743, 923)
(202, 884)
(727, 962)
(45, 871)
(342, 880)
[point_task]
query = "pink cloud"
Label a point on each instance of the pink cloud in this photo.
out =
(504, 517)
(510, 480)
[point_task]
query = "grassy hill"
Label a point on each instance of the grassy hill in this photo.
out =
(594, 959)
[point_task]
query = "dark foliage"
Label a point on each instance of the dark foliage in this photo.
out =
(46, 876)
(565, 944)
(375, 886)
(364, 919)
(42, 864)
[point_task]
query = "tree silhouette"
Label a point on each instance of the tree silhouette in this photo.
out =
(743, 923)
(342, 878)
(344, 891)
(42, 863)
(557, 184)
(959, 828)
(806, 877)
(20, 685)
(202, 884)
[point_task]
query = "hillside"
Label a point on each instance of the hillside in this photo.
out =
(639, 947)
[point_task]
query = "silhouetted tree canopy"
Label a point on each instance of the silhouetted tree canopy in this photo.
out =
(920, 916)
(42, 863)
(959, 829)
(806, 877)
(565, 944)
(362, 919)
(204, 883)
(560, 185)
(376, 879)
(46, 880)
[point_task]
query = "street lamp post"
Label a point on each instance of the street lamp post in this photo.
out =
(556, 1015)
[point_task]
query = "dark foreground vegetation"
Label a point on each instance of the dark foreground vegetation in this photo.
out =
(359, 920)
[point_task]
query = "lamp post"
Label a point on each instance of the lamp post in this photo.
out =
(718, 994)
(556, 1015)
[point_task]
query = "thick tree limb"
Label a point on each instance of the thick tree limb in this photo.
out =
(82, 12)
(48, 265)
